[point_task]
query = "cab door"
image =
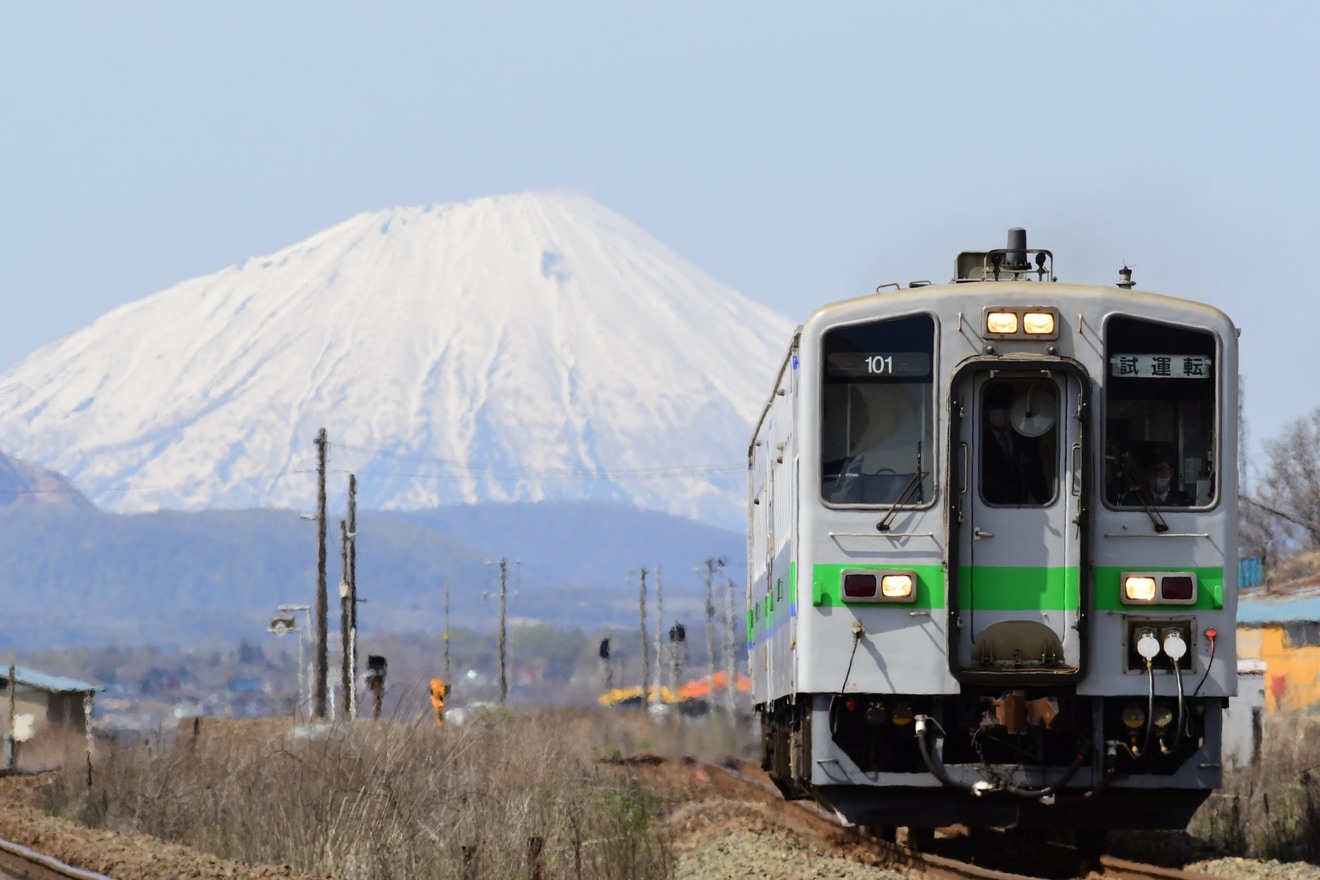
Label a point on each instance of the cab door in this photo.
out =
(1018, 598)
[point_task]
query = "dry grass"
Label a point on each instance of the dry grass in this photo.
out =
(1270, 810)
(388, 800)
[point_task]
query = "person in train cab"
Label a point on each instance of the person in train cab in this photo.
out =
(1011, 467)
(1158, 490)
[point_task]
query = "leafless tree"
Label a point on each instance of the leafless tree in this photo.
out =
(1281, 517)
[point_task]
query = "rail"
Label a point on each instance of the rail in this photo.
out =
(28, 864)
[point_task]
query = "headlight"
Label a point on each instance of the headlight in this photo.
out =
(896, 586)
(1001, 322)
(1038, 323)
(1138, 588)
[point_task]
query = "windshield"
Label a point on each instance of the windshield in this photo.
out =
(1159, 415)
(877, 425)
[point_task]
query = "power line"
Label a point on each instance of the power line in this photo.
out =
(598, 474)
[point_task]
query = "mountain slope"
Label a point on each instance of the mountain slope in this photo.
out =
(23, 485)
(81, 576)
(510, 348)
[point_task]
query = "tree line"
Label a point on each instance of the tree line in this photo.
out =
(1279, 513)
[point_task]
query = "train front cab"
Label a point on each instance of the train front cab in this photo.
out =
(1070, 596)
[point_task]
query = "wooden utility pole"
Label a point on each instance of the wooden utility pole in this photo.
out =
(646, 650)
(448, 680)
(13, 737)
(345, 672)
(659, 639)
(711, 565)
(504, 682)
(730, 663)
(322, 604)
(352, 596)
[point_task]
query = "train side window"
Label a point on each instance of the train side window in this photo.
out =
(1159, 388)
(877, 419)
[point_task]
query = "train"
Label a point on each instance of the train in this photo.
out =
(992, 554)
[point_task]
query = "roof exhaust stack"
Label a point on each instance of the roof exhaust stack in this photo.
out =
(1125, 279)
(1012, 263)
(1016, 258)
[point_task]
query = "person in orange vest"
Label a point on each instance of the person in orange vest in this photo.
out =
(438, 691)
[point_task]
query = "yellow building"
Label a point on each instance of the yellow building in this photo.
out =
(1280, 626)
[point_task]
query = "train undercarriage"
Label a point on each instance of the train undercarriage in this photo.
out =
(1021, 758)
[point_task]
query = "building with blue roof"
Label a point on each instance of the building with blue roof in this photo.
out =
(41, 715)
(1280, 627)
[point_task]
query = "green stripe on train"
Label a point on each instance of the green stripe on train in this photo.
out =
(827, 586)
(1108, 587)
(1018, 588)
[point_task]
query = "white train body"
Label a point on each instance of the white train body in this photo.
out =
(956, 620)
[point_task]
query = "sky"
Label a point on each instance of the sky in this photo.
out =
(798, 153)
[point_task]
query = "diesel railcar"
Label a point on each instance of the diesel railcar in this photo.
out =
(992, 553)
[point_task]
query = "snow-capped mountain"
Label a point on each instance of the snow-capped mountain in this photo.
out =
(508, 348)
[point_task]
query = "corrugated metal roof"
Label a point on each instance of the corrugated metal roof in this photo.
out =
(1289, 603)
(57, 684)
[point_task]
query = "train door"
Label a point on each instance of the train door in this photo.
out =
(1019, 545)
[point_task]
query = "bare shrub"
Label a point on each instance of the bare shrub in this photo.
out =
(1270, 810)
(385, 800)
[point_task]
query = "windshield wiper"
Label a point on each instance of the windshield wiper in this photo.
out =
(912, 485)
(1155, 519)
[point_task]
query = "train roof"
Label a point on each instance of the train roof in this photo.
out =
(1016, 274)
(974, 295)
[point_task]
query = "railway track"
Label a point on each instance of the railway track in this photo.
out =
(21, 863)
(979, 857)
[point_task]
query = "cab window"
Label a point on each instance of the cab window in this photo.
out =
(1159, 392)
(877, 423)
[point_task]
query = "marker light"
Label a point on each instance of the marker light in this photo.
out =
(1134, 717)
(1177, 588)
(859, 586)
(1001, 322)
(902, 715)
(1038, 323)
(896, 586)
(1138, 588)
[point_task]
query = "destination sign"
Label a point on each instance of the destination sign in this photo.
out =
(889, 364)
(1161, 366)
